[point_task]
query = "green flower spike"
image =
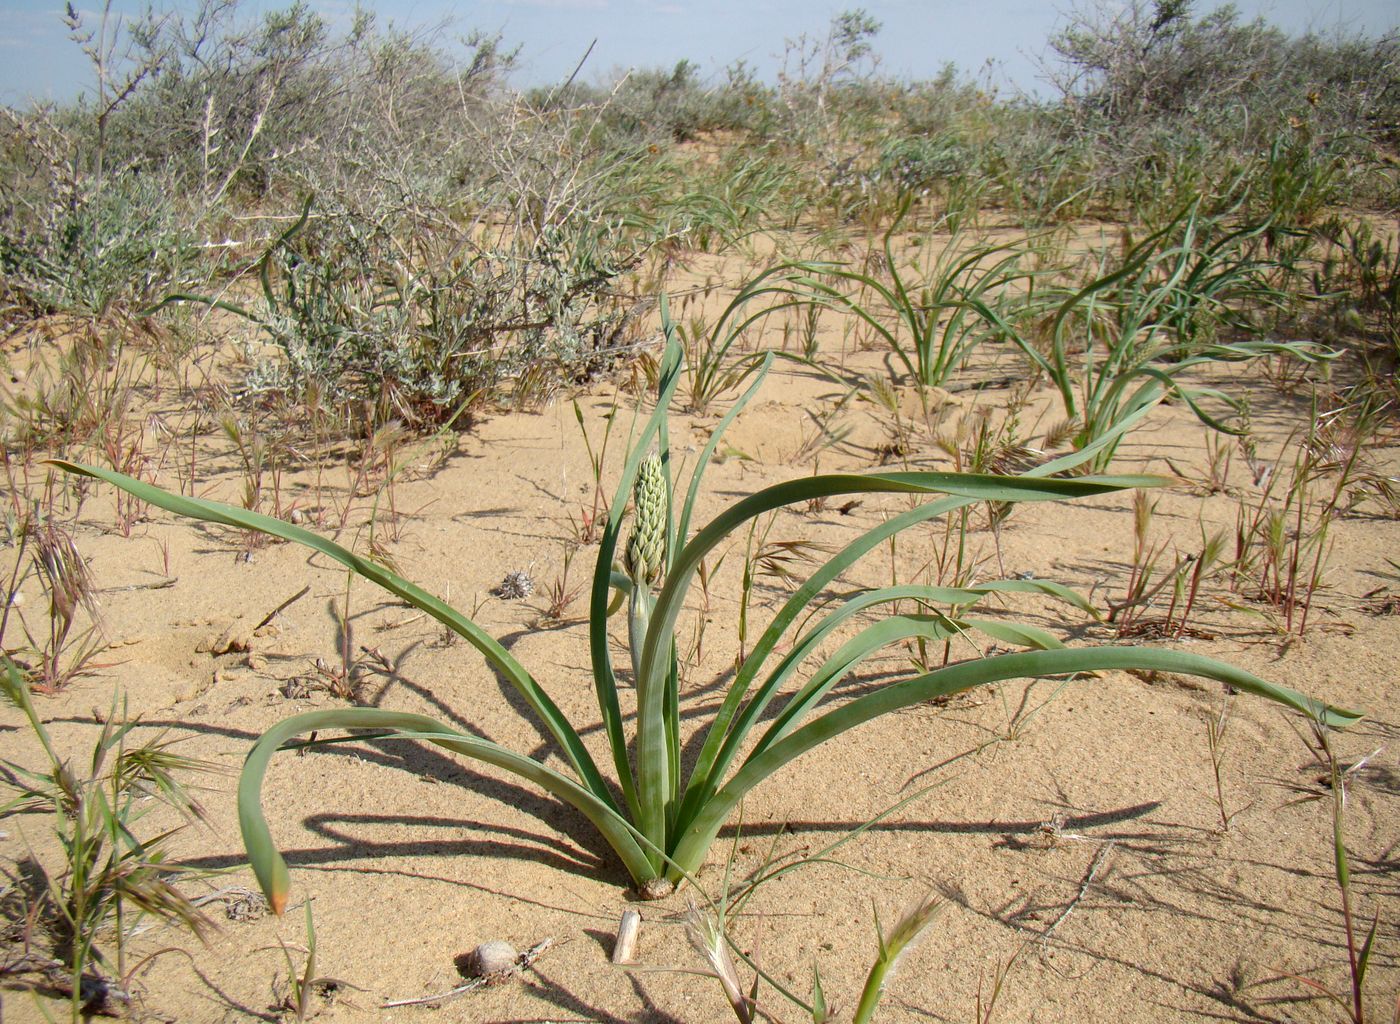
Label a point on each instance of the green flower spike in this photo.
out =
(645, 557)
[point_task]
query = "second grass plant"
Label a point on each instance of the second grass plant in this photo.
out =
(932, 322)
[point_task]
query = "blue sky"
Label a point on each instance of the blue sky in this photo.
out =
(918, 37)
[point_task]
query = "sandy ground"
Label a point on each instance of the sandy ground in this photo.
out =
(1073, 832)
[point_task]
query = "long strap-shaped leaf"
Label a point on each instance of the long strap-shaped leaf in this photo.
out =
(712, 766)
(705, 777)
(499, 658)
(691, 848)
(713, 758)
(974, 487)
(267, 862)
(692, 492)
(968, 486)
(883, 634)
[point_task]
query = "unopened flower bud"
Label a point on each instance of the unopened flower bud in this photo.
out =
(645, 557)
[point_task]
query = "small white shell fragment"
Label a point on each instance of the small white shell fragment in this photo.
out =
(625, 951)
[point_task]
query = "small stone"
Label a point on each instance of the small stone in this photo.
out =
(230, 642)
(256, 662)
(494, 959)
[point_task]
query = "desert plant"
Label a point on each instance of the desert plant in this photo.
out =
(118, 245)
(707, 364)
(1141, 324)
(1182, 581)
(110, 878)
(707, 931)
(742, 193)
(816, 71)
(585, 528)
(52, 655)
(303, 985)
(659, 823)
(933, 319)
(84, 230)
(1283, 534)
(1353, 1001)
(1160, 101)
(420, 317)
(1217, 725)
(78, 394)
(1362, 273)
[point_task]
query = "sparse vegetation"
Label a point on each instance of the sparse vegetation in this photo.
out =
(339, 289)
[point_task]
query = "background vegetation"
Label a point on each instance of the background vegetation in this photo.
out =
(403, 225)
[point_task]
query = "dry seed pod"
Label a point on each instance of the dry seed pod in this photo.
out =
(516, 585)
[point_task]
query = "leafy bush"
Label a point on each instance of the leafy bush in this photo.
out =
(118, 245)
(1170, 103)
(382, 298)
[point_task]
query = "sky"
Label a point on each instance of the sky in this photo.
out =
(1000, 41)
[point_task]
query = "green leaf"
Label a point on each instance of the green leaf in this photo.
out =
(500, 659)
(267, 862)
(692, 845)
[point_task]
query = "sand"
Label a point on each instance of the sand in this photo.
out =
(1073, 832)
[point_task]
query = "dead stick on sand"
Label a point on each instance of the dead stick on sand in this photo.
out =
(157, 585)
(523, 963)
(625, 950)
(1089, 876)
(282, 607)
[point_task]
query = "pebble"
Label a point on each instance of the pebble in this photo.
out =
(492, 958)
